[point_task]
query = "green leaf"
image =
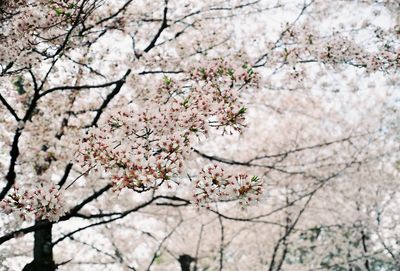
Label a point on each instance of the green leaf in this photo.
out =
(19, 85)
(167, 80)
(158, 259)
(242, 111)
(203, 73)
(231, 73)
(59, 11)
(255, 179)
(186, 103)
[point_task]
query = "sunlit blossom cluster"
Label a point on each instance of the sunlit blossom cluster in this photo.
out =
(148, 145)
(213, 184)
(43, 201)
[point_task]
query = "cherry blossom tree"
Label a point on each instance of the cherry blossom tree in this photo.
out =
(199, 135)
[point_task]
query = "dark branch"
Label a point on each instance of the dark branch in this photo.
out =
(163, 26)
(110, 96)
(9, 108)
(66, 174)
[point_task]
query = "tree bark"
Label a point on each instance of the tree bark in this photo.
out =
(42, 250)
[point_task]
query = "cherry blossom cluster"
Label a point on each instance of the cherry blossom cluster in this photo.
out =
(27, 26)
(213, 184)
(216, 81)
(304, 44)
(385, 60)
(148, 145)
(44, 201)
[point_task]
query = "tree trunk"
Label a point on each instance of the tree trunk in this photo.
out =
(185, 261)
(42, 250)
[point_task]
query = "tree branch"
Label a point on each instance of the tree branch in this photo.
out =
(9, 108)
(163, 26)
